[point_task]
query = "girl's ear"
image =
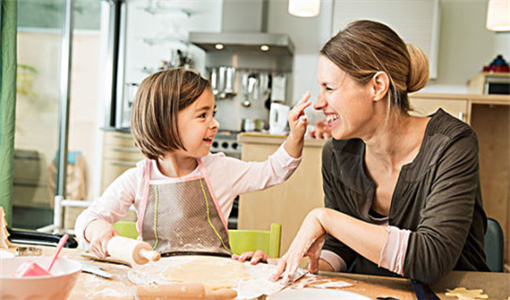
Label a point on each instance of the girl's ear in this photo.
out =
(380, 85)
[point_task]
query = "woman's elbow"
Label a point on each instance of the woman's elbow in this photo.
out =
(429, 275)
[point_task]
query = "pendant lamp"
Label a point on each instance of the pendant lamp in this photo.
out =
(304, 8)
(498, 15)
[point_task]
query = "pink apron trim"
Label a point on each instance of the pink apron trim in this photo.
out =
(175, 180)
(213, 194)
(143, 205)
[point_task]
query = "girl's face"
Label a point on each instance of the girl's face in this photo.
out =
(346, 105)
(197, 125)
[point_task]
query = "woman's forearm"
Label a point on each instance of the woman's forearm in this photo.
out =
(366, 239)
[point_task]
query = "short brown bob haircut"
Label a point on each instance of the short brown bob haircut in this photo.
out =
(159, 99)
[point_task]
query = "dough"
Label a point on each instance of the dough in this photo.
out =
(463, 294)
(212, 272)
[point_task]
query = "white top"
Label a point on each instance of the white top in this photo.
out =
(228, 176)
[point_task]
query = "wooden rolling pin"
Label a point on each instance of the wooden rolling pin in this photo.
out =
(132, 251)
(184, 291)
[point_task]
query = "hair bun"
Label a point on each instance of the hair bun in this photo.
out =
(419, 69)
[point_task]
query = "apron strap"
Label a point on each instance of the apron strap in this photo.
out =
(213, 195)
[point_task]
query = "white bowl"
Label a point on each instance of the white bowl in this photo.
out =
(57, 286)
(314, 293)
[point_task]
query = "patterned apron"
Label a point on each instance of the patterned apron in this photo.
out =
(180, 216)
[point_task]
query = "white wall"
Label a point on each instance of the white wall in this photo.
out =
(308, 36)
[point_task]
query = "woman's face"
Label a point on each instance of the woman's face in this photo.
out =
(348, 107)
(197, 125)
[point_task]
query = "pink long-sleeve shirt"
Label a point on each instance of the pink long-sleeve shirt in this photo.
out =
(228, 176)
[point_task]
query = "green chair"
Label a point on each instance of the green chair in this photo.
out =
(240, 240)
(252, 240)
(494, 245)
(126, 229)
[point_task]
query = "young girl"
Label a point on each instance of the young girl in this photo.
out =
(182, 193)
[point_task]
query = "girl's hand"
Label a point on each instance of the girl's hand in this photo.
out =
(297, 118)
(99, 233)
(255, 257)
(298, 123)
(320, 131)
(308, 242)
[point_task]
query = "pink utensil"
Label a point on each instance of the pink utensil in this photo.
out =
(60, 245)
(32, 269)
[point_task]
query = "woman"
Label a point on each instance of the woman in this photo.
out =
(402, 193)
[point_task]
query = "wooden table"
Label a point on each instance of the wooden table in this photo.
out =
(496, 285)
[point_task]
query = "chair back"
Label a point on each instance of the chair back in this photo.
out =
(126, 229)
(252, 240)
(240, 240)
(494, 245)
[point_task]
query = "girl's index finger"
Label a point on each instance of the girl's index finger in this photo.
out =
(305, 97)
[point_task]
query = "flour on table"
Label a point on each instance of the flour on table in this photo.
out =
(212, 272)
(250, 281)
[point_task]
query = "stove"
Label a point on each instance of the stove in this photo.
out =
(226, 142)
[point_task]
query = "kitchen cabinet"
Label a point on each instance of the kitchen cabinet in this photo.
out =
(287, 203)
(119, 155)
(425, 106)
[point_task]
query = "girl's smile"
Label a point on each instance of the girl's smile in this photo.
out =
(197, 126)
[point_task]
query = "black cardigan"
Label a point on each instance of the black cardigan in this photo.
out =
(437, 197)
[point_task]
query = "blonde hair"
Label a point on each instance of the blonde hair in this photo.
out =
(365, 47)
(159, 99)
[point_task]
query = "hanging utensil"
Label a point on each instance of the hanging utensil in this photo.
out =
(244, 81)
(221, 81)
(252, 81)
(214, 80)
(229, 82)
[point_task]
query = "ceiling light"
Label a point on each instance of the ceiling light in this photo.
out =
(219, 46)
(304, 8)
(264, 47)
(498, 15)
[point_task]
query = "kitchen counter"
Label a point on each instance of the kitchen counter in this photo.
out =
(302, 192)
(496, 285)
(274, 139)
(123, 129)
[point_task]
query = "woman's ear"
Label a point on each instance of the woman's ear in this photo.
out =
(380, 84)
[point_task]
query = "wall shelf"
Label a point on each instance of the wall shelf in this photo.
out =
(157, 9)
(164, 40)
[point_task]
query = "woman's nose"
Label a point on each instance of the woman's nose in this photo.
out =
(321, 102)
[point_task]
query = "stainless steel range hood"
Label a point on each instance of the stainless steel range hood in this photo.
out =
(244, 31)
(279, 44)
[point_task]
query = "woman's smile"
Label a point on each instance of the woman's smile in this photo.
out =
(332, 119)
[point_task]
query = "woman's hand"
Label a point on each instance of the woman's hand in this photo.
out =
(99, 233)
(297, 123)
(255, 257)
(308, 242)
